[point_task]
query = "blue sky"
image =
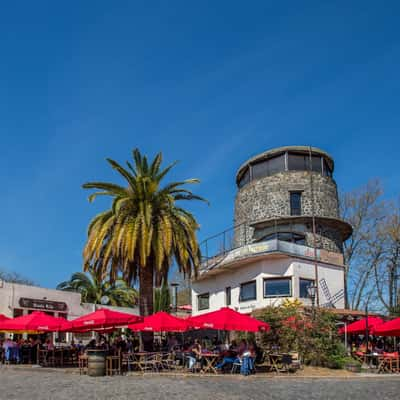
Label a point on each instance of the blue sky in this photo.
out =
(209, 84)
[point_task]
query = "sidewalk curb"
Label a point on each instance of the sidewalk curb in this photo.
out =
(75, 371)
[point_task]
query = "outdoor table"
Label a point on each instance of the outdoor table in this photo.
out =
(139, 359)
(211, 360)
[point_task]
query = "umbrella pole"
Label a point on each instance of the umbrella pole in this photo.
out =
(366, 329)
(37, 354)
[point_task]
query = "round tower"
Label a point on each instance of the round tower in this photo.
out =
(289, 193)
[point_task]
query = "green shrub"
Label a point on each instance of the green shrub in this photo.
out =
(293, 328)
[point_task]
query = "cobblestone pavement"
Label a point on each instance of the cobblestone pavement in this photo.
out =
(43, 385)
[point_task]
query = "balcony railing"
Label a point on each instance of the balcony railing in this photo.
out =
(222, 243)
(225, 248)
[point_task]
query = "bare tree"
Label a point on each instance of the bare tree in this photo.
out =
(15, 277)
(363, 209)
(387, 271)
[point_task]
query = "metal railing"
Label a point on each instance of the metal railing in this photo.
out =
(217, 246)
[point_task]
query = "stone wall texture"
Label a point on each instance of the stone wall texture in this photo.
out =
(269, 198)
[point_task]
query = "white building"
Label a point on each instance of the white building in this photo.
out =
(288, 236)
(263, 274)
(17, 300)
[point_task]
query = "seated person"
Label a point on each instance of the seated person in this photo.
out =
(91, 345)
(247, 359)
(233, 356)
(378, 348)
(195, 354)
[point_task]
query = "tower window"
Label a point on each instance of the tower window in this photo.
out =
(295, 203)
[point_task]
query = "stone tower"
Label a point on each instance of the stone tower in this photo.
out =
(287, 193)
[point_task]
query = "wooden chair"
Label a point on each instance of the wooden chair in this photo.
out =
(83, 364)
(391, 362)
(264, 362)
(153, 362)
(74, 354)
(286, 361)
(46, 358)
(135, 362)
(113, 365)
(359, 356)
(168, 360)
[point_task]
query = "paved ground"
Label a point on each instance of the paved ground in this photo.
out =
(43, 385)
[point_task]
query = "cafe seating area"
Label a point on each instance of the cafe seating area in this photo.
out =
(177, 345)
(373, 352)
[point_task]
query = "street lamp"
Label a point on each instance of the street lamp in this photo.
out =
(312, 292)
(175, 285)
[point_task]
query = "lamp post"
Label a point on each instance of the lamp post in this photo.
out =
(175, 285)
(312, 291)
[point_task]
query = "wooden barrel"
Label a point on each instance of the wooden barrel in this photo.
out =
(96, 362)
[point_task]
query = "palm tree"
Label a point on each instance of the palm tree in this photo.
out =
(97, 291)
(145, 230)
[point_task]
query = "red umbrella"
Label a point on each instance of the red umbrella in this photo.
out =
(100, 319)
(390, 328)
(4, 318)
(226, 319)
(161, 322)
(38, 321)
(359, 327)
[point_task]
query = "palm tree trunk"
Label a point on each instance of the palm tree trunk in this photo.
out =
(146, 302)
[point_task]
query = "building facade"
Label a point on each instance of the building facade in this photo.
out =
(17, 300)
(287, 236)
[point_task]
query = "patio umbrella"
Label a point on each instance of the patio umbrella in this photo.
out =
(360, 326)
(226, 319)
(36, 322)
(4, 318)
(390, 328)
(161, 322)
(100, 319)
